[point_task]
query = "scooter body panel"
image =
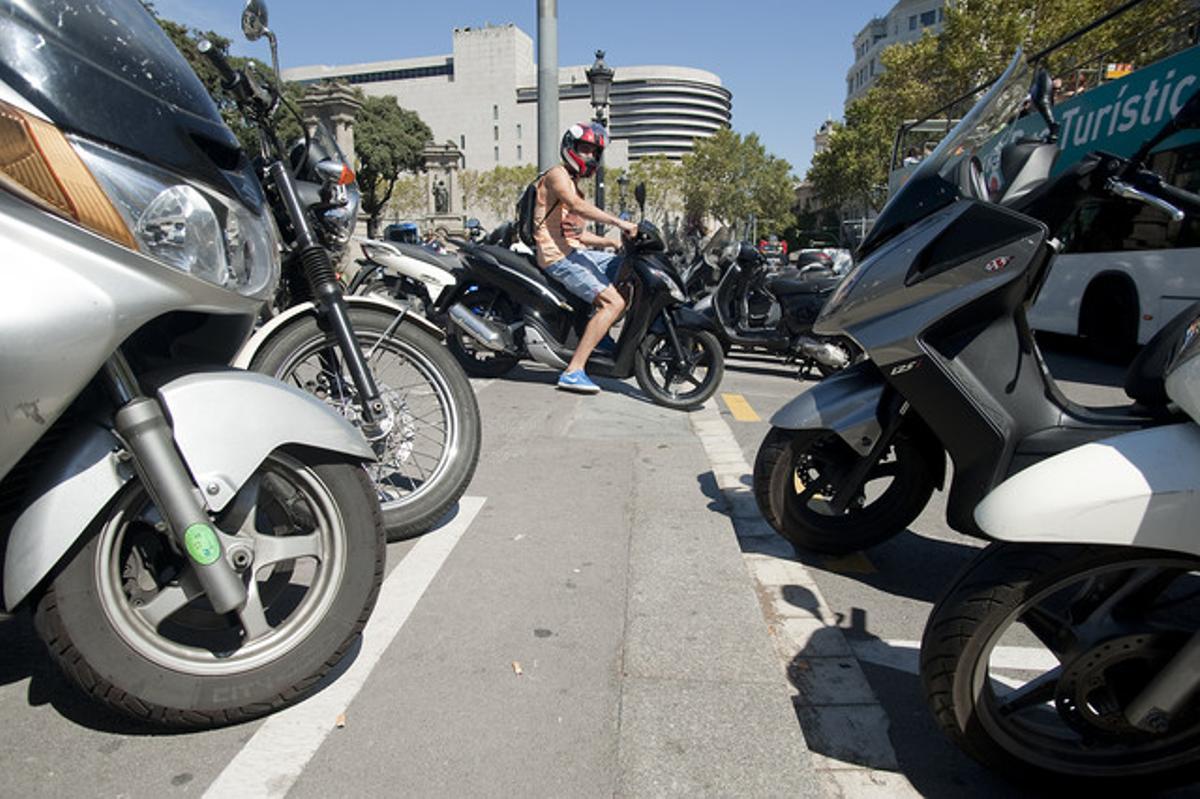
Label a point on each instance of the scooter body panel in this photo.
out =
(394, 261)
(208, 412)
(1137, 489)
(846, 403)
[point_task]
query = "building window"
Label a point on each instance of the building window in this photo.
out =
(495, 112)
(519, 153)
(518, 130)
(462, 141)
(912, 22)
(496, 154)
(928, 18)
(495, 133)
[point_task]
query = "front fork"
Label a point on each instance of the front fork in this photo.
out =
(147, 436)
(681, 360)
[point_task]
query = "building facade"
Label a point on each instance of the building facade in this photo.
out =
(907, 21)
(483, 98)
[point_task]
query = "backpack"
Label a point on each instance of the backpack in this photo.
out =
(525, 211)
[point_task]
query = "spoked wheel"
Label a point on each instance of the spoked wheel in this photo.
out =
(676, 384)
(1034, 655)
(797, 477)
(129, 622)
(428, 443)
(476, 359)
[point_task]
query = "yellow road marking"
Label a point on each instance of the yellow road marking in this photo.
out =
(740, 409)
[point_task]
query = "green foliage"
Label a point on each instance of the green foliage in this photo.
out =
(388, 140)
(977, 42)
(409, 199)
(494, 193)
(731, 177)
(664, 181)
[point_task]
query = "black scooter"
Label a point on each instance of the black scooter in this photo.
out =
(505, 309)
(756, 306)
(938, 302)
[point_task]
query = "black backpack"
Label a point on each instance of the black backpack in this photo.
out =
(525, 211)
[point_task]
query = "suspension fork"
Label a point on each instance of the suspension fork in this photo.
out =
(673, 337)
(327, 293)
(143, 428)
(895, 409)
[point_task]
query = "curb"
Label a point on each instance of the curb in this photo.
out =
(844, 726)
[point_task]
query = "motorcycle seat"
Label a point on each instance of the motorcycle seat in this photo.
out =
(420, 253)
(784, 284)
(527, 266)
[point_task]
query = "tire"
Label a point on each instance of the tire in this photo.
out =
(428, 456)
(799, 511)
(476, 360)
(1099, 654)
(656, 376)
(191, 668)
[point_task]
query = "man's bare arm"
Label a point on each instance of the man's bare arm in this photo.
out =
(564, 191)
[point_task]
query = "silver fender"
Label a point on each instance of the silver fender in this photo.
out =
(277, 323)
(1137, 489)
(846, 402)
(225, 423)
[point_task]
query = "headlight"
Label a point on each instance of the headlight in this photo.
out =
(186, 226)
(672, 286)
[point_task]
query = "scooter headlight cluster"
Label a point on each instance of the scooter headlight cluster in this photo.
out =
(188, 227)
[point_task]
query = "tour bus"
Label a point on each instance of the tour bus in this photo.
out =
(1125, 269)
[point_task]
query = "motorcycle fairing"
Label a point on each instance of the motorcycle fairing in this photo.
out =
(846, 402)
(246, 354)
(1137, 489)
(207, 410)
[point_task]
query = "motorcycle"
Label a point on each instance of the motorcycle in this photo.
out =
(198, 545)
(1070, 647)
(411, 275)
(937, 301)
(380, 366)
(505, 309)
(758, 307)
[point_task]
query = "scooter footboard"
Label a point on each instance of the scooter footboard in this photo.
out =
(225, 423)
(1137, 489)
(846, 402)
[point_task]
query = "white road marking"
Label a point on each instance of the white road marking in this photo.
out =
(906, 656)
(273, 759)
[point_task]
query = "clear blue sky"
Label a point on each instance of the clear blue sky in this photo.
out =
(784, 60)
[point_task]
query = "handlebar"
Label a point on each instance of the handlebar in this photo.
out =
(240, 83)
(210, 51)
(1129, 192)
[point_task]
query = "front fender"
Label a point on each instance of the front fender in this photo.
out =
(225, 423)
(277, 323)
(846, 402)
(1137, 489)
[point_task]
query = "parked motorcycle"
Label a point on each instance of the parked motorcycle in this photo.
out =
(411, 275)
(505, 309)
(198, 545)
(756, 306)
(1071, 648)
(380, 366)
(937, 301)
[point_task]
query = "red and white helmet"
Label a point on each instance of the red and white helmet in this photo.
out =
(591, 132)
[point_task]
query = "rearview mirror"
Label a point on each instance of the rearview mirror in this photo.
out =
(254, 19)
(1041, 97)
(639, 194)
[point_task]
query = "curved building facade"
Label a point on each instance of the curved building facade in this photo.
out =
(483, 98)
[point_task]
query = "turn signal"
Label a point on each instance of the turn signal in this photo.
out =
(347, 176)
(38, 163)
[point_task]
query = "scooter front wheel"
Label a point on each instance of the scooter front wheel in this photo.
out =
(1032, 658)
(796, 480)
(671, 383)
(128, 622)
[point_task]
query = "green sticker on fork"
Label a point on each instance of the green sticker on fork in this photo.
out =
(202, 544)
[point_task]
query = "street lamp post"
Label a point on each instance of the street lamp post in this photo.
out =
(600, 79)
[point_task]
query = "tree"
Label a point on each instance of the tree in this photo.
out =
(664, 182)
(731, 178)
(976, 43)
(496, 191)
(388, 140)
(408, 198)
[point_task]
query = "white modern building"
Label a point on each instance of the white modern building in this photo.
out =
(483, 98)
(907, 21)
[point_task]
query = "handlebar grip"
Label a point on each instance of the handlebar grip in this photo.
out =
(214, 55)
(1185, 200)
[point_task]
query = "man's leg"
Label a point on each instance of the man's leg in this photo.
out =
(609, 306)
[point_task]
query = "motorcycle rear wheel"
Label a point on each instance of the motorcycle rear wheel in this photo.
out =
(1030, 657)
(654, 368)
(428, 454)
(128, 623)
(795, 481)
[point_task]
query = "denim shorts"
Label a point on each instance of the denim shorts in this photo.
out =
(585, 273)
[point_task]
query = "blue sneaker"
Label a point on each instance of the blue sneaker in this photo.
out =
(578, 382)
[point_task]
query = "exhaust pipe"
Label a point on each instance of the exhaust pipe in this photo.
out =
(488, 334)
(826, 352)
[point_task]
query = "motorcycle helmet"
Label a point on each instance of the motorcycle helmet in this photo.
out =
(577, 163)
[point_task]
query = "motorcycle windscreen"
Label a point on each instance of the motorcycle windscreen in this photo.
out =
(108, 72)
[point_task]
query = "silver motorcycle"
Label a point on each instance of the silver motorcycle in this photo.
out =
(198, 545)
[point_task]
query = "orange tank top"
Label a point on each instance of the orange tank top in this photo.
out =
(552, 242)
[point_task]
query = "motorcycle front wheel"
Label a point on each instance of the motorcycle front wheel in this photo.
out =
(429, 446)
(796, 479)
(128, 622)
(1031, 657)
(659, 374)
